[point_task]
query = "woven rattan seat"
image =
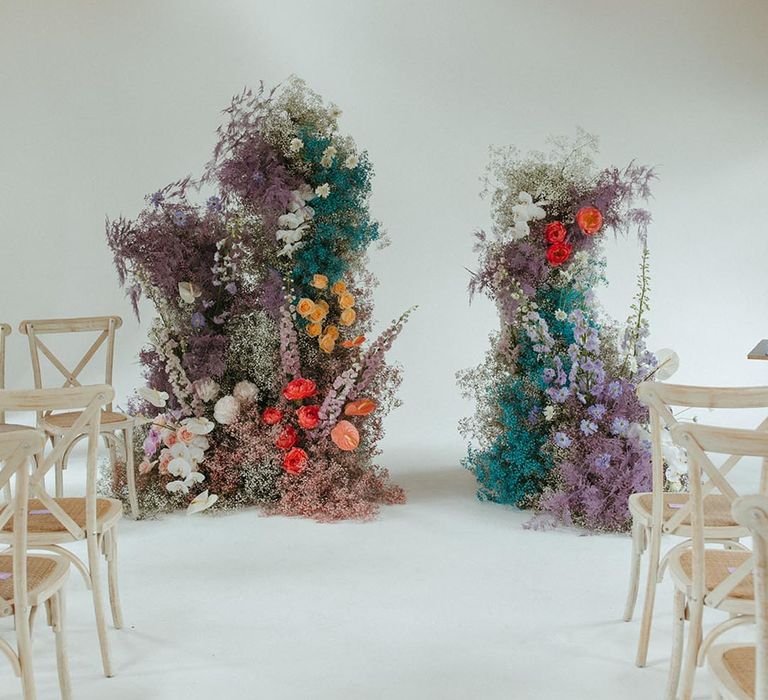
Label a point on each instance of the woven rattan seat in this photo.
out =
(718, 565)
(41, 521)
(67, 420)
(717, 508)
(740, 663)
(13, 427)
(44, 573)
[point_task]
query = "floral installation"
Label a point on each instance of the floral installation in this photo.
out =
(558, 426)
(262, 387)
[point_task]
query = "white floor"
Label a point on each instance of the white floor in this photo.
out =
(445, 597)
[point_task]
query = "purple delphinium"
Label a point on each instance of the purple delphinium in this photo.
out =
(157, 199)
(588, 427)
(231, 288)
(179, 217)
(197, 320)
(620, 425)
(562, 440)
(151, 443)
(597, 411)
(614, 389)
(603, 460)
(213, 204)
(558, 395)
(549, 375)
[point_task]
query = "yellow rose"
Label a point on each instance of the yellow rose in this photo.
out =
(347, 317)
(319, 281)
(327, 343)
(317, 314)
(332, 331)
(339, 287)
(346, 301)
(323, 304)
(314, 329)
(305, 307)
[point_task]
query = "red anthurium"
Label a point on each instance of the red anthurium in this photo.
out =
(345, 436)
(361, 407)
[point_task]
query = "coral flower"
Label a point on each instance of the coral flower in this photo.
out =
(589, 220)
(345, 436)
(346, 300)
(299, 389)
(305, 307)
(287, 438)
(558, 253)
(319, 281)
(361, 407)
(295, 461)
(271, 416)
(347, 317)
(354, 343)
(339, 288)
(555, 232)
(314, 329)
(308, 416)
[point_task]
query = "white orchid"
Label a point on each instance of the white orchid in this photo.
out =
(524, 211)
(206, 389)
(226, 409)
(179, 467)
(157, 398)
(189, 291)
(198, 426)
(201, 502)
(245, 392)
(182, 486)
(291, 220)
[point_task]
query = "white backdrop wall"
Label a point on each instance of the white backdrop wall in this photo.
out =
(104, 102)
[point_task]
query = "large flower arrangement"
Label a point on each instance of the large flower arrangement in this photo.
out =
(558, 427)
(261, 388)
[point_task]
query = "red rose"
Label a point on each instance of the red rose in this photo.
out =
(555, 232)
(589, 220)
(287, 438)
(271, 416)
(295, 461)
(558, 253)
(308, 416)
(299, 389)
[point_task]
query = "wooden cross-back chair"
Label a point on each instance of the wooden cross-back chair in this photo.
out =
(28, 580)
(720, 579)
(5, 330)
(112, 422)
(54, 521)
(739, 671)
(659, 512)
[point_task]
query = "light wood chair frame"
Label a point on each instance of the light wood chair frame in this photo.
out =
(5, 330)
(646, 536)
(106, 326)
(691, 593)
(752, 512)
(17, 449)
(100, 537)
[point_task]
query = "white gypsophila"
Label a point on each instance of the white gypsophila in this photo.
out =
(206, 389)
(245, 392)
(226, 410)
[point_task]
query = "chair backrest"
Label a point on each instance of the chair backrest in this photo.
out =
(661, 399)
(5, 330)
(752, 512)
(105, 326)
(701, 441)
(16, 450)
(88, 400)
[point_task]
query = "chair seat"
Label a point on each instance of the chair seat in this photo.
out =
(717, 508)
(734, 669)
(718, 565)
(42, 524)
(12, 427)
(110, 420)
(46, 573)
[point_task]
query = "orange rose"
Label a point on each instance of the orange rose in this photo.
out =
(347, 317)
(361, 407)
(345, 436)
(298, 389)
(354, 343)
(589, 220)
(305, 307)
(346, 301)
(295, 461)
(319, 281)
(314, 329)
(317, 314)
(323, 304)
(339, 288)
(327, 344)
(332, 331)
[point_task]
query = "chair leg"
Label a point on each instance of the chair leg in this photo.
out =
(130, 471)
(678, 645)
(98, 603)
(688, 674)
(650, 596)
(638, 537)
(21, 620)
(56, 603)
(59, 470)
(110, 551)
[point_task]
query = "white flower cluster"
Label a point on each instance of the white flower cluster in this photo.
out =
(227, 408)
(186, 451)
(295, 223)
(525, 211)
(183, 389)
